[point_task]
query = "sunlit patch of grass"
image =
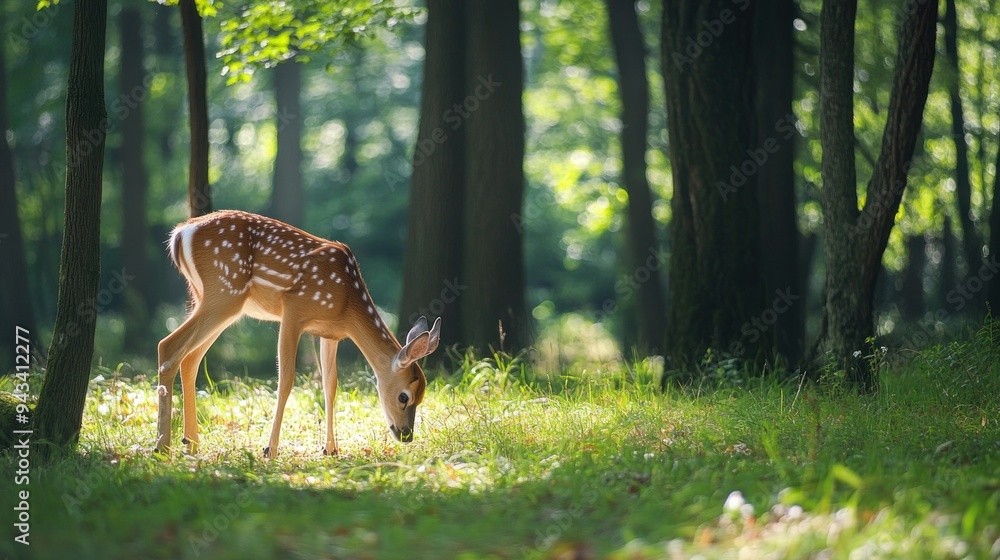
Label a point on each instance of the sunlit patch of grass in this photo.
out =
(512, 462)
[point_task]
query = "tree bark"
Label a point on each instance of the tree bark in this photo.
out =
(287, 197)
(641, 247)
(493, 265)
(199, 190)
(779, 233)
(59, 414)
(715, 287)
(971, 245)
(135, 259)
(855, 240)
(15, 291)
(432, 283)
(947, 279)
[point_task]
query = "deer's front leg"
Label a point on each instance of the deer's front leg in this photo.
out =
(288, 343)
(328, 364)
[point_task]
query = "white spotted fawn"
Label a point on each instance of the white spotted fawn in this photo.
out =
(236, 264)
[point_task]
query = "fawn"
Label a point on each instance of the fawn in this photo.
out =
(236, 264)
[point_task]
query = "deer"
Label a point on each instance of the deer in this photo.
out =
(241, 264)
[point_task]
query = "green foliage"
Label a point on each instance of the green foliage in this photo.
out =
(510, 461)
(263, 34)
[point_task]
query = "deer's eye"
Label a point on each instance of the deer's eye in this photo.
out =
(404, 398)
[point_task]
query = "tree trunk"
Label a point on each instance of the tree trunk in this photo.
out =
(972, 246)
(993, 284)
(59, 414)
(493, 265)
(963, 187)
(287, 198)
(134, 183)
(779, 233)
(947, 279)
(641, 247)
(911, 290)
(855, 240)
(715, 286)
(432, 283)
(15, 291)
(199, 190)
(164, 45)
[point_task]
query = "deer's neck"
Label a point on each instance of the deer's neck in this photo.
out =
(373, 338)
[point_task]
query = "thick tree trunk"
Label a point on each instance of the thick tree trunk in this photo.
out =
(15, 291)
(134, 183)
(493, 265)
(972, 246)
(715, 287)
(432, 283)
(641, 247)
(199, 190)
(779, 232)
(59, 414)
(855, 240)
(287, 197)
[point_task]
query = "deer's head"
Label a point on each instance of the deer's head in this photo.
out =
(402, 388)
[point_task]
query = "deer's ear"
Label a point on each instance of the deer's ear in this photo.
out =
(420, 326)
(435, 336)
(413, 351)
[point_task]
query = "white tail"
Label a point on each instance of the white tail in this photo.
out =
(238, 264)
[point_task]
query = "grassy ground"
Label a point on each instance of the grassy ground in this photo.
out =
(593, 464)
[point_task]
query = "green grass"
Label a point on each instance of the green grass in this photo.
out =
(507, 464)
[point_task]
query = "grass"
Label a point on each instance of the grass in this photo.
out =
(510, 464)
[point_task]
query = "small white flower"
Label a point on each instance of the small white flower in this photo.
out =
(734, 502)
(857, 353)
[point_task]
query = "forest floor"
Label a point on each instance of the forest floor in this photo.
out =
(596, 463)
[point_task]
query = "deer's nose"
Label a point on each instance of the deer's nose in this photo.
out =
(404, 434)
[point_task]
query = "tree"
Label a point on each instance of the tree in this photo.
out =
(493, 266)
(432, 268)
(972, 247)
(59, 414)
(15, 292)
(640, 228)
(287, 197)
(773, 50)
(993, 284)
(715, 285)
(135, 258)
(199, 189)
(855, 239)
